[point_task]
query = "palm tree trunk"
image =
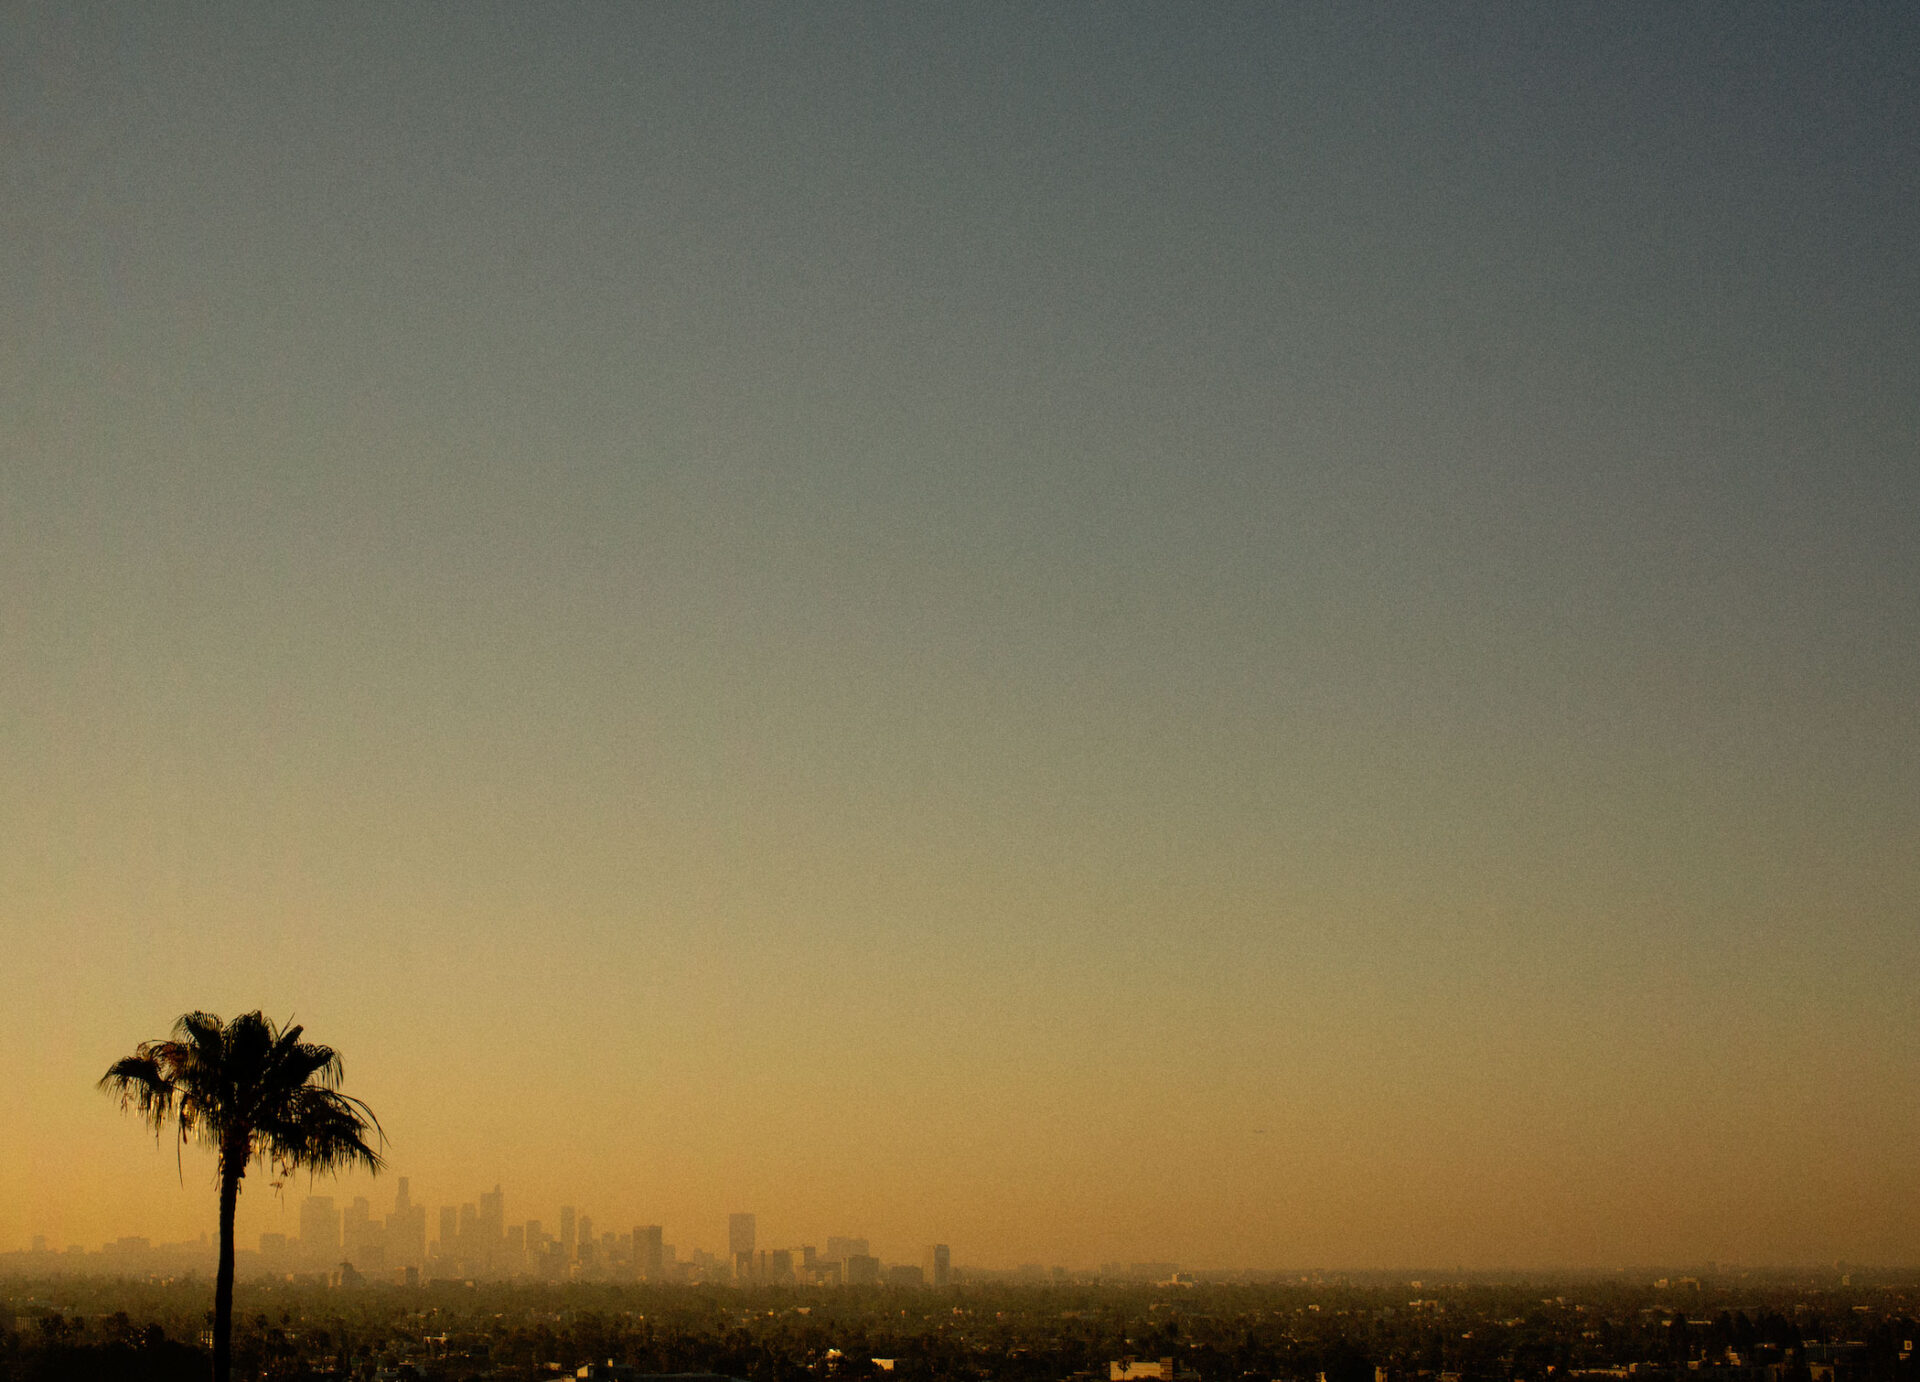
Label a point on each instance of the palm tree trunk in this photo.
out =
(223, 1282)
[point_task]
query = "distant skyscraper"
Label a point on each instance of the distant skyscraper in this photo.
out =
(273, 1251)
(406, 1230)
(840, 1249)
(362, 1238)
(939, 1267)
(740, 1236)
(319, 1231)
(649, 1254)
(567, 1230)
(449, 1232)
(492, 1222)
(740, 1233)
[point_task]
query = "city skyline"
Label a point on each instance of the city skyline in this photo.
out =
(476, 1241)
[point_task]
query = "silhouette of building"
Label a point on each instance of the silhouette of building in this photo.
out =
(319, 1232)
(276, 1253)
(490, 1227)
(740, 1236)
(406, 1230)
(468, 1239)
(362, 1239)
(649, 1252)
(939, 1266)
(840, 1249)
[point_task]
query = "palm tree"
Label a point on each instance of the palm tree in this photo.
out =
(245, 1089)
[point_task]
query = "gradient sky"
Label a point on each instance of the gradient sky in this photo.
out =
(1263, 635)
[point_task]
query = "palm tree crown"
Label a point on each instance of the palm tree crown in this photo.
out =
(246, 1088)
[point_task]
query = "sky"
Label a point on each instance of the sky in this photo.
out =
(1255, 635)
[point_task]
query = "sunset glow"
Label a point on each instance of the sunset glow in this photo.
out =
(1238, 636)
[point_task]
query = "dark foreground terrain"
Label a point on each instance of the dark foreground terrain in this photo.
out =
(1749, 1328)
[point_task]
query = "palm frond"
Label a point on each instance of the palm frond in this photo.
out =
(324, 1132)
(143, 1086)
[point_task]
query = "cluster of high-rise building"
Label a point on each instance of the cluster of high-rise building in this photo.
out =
(475, 1241)
(844, 1261)
(330, 1236)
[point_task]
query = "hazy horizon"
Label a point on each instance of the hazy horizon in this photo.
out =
(1239, 634)
(708, 1237)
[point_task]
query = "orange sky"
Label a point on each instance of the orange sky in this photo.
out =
(1267, 640)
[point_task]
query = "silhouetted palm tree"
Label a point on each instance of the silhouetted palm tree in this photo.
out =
(246, 1089)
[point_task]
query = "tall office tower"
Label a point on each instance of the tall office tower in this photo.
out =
(406, 1230)
(360, 1238)
(493, 1222)
(566, 1232)
(449, 1233)
(840, 1249)
(469, 1236)
(319, 1231)
(583, 1252)
(585, 1231)
(939, 1266)
(649, 1252)
(740, 1234)
(273, 1252)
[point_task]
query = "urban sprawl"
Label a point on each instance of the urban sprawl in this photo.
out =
(1725, 1326)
